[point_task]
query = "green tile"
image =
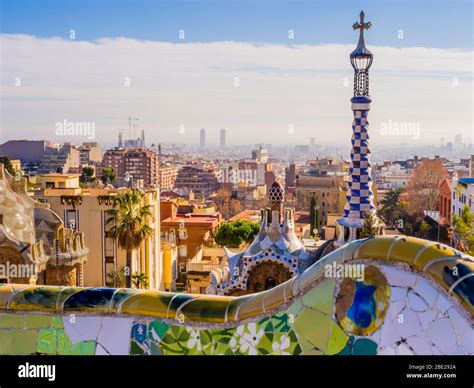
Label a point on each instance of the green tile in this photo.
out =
(313, 327)
(86, 348)
(64, 343)
(12, 320)
(47, 341)
(57, 322)
(23, 341)
(37, 321)
(157, 330)
(5, 341)
(294, 309)
(337, 340)
(365, 347)
(321, 297)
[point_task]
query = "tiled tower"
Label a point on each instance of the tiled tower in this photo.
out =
(359, 195)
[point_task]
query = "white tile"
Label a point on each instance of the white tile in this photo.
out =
(403, 350)
(441, 333)
(409, 326)
(457, 351)
(416, 303)
(442, 303)
(460, 324)
(427, 291)
(420, 345)
(395, 309)
(100, 351)
(81, 329)
(467, 340)
(115, 335)
(427, 317)
(398, 277)
(389, 335)
(398, 293)
(388, 351)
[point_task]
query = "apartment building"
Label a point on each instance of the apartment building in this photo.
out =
(85, 210)
(134, 164)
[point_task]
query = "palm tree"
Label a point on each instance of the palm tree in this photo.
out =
(129, 220)
(390, 207)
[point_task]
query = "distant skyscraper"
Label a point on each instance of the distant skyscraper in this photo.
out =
(120, 139)
(202, 138)
(312, 142)
(222, 138)
(142, 140)
(458, 141)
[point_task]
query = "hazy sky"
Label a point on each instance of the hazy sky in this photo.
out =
(237, 67)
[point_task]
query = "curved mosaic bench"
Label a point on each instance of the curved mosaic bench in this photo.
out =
(413, 297)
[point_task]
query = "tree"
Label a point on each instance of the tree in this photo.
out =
(424, 229)
(108, 175)
(369, 229)
(391, 208)
(116, 278)
(314, 218)
(87, 174)
(129, 224)
(464, 230)
(234, 234)
(140, 280)
(423, 187)
(8, 165)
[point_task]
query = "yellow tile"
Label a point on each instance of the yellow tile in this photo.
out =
(233, 308)
(150, 303)
(433, 252)
(274, 297)
(375, 248)
(406, 249)
(6, 292)
(206, 309)
(252, 306)
(289, 289)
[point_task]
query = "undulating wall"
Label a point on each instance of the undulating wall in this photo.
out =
(411, 297)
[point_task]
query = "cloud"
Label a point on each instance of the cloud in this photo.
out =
(194, 85)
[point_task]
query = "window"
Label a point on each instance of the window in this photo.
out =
(71, 219)
(108, 242)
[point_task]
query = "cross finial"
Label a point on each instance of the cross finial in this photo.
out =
(361, 26)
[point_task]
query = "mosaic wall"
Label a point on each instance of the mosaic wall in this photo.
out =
(414, 297)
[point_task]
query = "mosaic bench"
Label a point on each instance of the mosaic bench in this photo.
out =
(412, 297)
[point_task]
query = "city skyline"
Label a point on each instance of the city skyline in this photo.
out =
(283, 91)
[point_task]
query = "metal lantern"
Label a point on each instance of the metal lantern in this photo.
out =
(361, 59)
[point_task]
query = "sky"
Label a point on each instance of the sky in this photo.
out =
(273, 71)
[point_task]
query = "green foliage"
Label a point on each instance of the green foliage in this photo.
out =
(464, 228)
(129, 222)
(234, 234)
(391, 208)
(116, 278)
(87, 174)
(108, 175)
(369, 228)
(8, 164)
(424, 229)
(140, 280)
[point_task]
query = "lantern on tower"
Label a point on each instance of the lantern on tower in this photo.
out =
(361, 59)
